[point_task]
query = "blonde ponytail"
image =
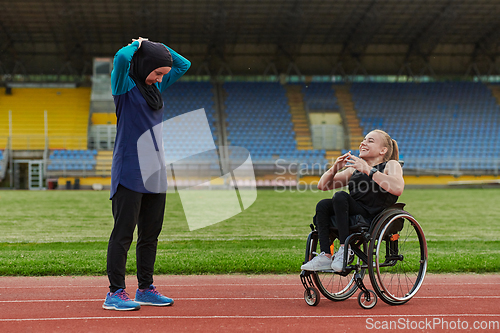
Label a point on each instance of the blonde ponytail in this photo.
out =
(391, 145)
(395, 151)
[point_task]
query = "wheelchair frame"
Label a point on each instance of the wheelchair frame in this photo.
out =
(382, 250)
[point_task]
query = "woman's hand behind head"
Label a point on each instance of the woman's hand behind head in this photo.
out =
(140, 39)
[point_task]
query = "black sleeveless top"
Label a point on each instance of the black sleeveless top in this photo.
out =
(368, 193)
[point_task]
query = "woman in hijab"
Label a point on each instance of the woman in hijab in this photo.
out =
(141, 72)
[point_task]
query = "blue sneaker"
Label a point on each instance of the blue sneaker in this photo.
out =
(119, 300)
(151, 296)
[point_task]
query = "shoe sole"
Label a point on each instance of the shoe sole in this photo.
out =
(154, 304)
(325, 268)
(108, 307)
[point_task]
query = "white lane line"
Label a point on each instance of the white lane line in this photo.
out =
(201, 284)
(254, 317)
(235, 299)
(162, 285)
(458, 297)
(176, 299)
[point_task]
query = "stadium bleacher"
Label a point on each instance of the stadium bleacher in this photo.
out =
(184, 97)
(103, 118)
(258, 119)
(320, 96)
(72, 160)
(437, 125)
(67, 117)
(444, 126)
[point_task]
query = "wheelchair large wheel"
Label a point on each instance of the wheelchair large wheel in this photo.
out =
(399, 253)
(333, 286)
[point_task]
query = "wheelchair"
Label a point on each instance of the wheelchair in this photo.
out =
(392, 248)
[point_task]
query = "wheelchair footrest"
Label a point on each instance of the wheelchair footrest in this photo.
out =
(305, 278)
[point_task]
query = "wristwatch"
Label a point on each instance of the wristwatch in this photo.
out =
(372, 171)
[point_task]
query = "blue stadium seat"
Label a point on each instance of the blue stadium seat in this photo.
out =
(183, 97)
(70, 160)
(319, 96)
(259, 119)
(432, 120)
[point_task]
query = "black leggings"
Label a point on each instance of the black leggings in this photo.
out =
(342, 205)
(131, 208)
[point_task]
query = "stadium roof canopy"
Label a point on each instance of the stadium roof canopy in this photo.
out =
(442, 37)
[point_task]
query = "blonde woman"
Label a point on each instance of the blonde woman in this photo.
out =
(375, 181)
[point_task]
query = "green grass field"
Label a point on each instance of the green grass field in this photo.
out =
(66, 232)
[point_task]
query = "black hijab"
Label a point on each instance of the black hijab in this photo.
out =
(146, 59)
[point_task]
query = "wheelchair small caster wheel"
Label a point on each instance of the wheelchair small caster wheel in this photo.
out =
(367, 300)
(311, 296)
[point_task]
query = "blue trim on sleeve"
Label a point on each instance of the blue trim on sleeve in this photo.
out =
(180, 65)
(120, 80)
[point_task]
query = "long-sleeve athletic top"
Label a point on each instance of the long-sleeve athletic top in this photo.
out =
(135, 116)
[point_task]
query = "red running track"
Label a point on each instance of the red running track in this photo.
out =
(239, 303)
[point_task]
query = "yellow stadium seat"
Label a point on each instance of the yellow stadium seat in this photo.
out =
(67, 117)
(103, 118)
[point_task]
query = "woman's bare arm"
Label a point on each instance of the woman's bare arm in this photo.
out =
(391, 179)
